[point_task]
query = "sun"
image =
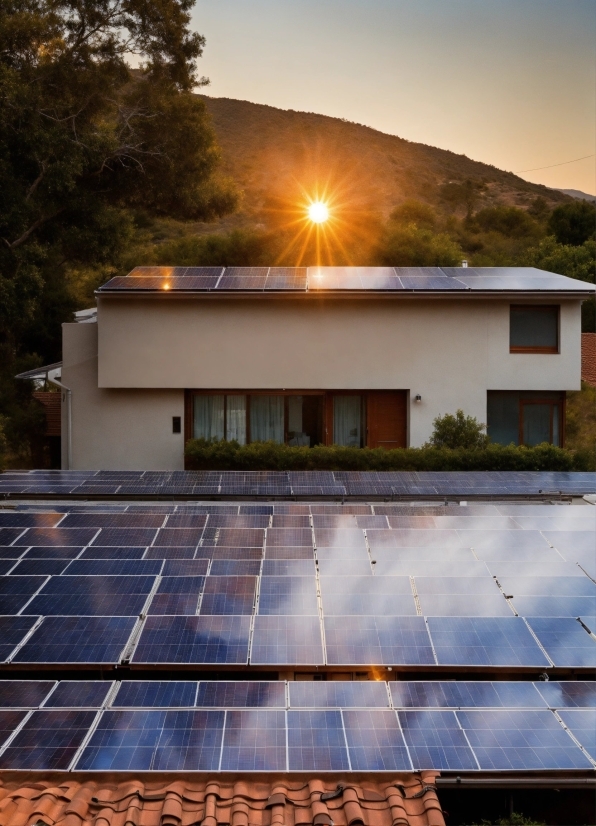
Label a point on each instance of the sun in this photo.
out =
(318, 212)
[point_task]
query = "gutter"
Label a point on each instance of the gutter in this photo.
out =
(66, 396)
(542, 782)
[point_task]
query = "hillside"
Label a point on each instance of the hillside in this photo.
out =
(276, 156)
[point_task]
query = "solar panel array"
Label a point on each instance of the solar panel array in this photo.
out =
(293, 484)
(317, 279)
(477, 587)
(297, 726)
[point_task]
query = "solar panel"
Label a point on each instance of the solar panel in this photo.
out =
(555, 606)
(464, 694)
(316, 741)
(77, 640)
(49, 740)
(8, 552)
(229, 595)
(289, 553)
(344, 566)
(114, 567)
(386, 596)
(581, 722)
(254, 740)
(203, 639)
(375, 740)
(290, 595)
(9, 722)
(289, 537)
(53, 553)
(245, 694)
(565, 641)
(185, 567)
(187, 552)
(340, 538)
(12, 631)
(24, 693)
(376, 640)
(8, 535)
(492, 641)
(125, 536)
(28, 520)
(234, 537)
(465, 605)
(436, 741)
(186, 520)
(289, 520)
(79, 694)
(502, 540)
(568, 694)
(112, 520)
(286, 640)
(39, 567)
(155, 694)
(155, 740)
(288, 567)
(177, 595)
(238, 521)
(178, 537)
(16, 591)
(92, 595)
(56, 536)
(243, 278)
(338, 694)
(513, 740)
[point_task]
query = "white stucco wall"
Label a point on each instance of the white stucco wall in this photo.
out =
(116, 429)
(451, 352)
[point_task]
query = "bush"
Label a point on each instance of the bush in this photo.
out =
(573, 223)
(458, 431)
(220, 455)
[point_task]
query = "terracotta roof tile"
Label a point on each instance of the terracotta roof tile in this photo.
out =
(164, 800)
(589, 358)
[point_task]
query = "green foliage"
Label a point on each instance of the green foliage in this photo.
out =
(458, 431)
(409, 246)
(239, 248)
(516, 819)
(220, 455)
(580, 419)
(509, 221)
(573, 223)
(565, 259)
(415, 212)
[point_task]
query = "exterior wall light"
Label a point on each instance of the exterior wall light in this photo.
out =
(418, 398)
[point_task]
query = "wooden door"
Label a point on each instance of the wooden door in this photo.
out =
(387, 419)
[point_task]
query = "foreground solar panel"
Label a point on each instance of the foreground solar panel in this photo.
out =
(316, 741)
(492, 641)
(287, 640)
(155, 740)
(12, 631)
(186, 640)
(49, 740)
(581, 722)
(79, 694)
(465, 694)
(254, 740)
(340, 694)
(24, 693)
(565, 641)
(245, 694)
(513, 740)
(77, 640)
(435, 740)
(375, 741)
(155, 694)
(568, 694)
(374, 640)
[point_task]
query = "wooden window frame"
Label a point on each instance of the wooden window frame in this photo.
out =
(537, 350)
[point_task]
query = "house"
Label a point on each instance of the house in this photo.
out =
(348, 356)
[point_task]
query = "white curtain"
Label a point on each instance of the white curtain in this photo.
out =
(208, 417)
(267, 418)
(236, 419)
(347, 420)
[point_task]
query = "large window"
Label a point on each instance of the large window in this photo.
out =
(525, 418)
(258, 417)
(534, 328)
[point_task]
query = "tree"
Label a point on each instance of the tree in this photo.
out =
(573, 223)
(83, 139)
(415, 212)
(458, 431)
(509, 221)
(409, 246)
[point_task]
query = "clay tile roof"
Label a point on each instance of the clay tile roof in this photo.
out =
(169, 800)
(589, 358)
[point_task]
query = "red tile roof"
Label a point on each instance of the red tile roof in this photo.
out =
(589, 358)
(69, 799)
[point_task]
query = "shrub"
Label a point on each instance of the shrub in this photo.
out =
(220, 455)
(458, 431)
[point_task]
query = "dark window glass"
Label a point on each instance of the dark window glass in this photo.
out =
(525, 417)
(534, 328)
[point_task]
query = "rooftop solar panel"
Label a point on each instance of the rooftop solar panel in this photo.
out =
(435, 741)
(254, 740)
(155, 740)
(9, 722)
(487, 641)
(353, 595)
(568, 694)
(185, 567)
(286, 278)
(289, 595)
(111, 567)
(49, 739)
(125, 536)
(316, 741)
(28, 520)
(56, 536)
(581, 722)
(155, 694)
(288, 567)
(24, 693)
(13, 630)
(229, 595)
(375, 740)
(38, 567)
(565, 641)
(245, 694)
(377, 640)
(58, 552)
(338, 694)
(77, 640)
(112, 520)
(186, 552)
(286, 640)
(465, 605)
(202, 639)
(79, 694)
(510, 740)
(464, 694)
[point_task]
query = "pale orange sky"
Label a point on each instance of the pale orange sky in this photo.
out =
(507, 82)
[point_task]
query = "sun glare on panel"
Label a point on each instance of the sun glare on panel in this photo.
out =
(318, 212)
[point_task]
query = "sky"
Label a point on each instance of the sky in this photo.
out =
(508, 82)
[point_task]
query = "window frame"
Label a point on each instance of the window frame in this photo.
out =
(550, 350)
(552, 403)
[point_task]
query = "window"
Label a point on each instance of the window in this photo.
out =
(533, 328)
(525, 418)
(347, 421)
